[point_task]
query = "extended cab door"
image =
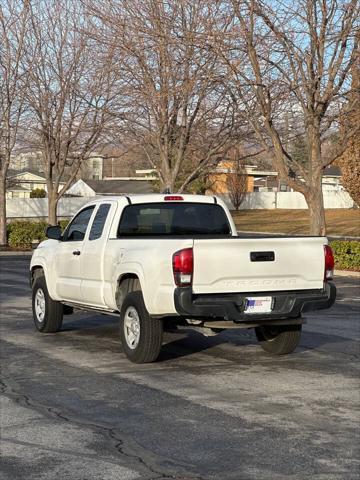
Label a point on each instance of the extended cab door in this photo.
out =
(68, 256)
(92, 257)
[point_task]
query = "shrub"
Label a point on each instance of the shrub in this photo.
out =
(346, 254)
(38, 193)
(63, 224)
(21, 234)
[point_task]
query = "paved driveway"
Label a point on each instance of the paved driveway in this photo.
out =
(212, 408)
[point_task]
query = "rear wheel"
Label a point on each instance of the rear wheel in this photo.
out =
(141, 335)
(47, 313)
(279, 340)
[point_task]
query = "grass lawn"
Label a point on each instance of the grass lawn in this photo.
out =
(339, 221)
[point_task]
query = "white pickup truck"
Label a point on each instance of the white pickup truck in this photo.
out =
(162, 260)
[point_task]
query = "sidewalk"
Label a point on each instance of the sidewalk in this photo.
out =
(280, 234)
(346, 273)
(16, 253)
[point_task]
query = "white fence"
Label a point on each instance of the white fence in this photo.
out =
(68, 206)
(291, 200)
(38, 207)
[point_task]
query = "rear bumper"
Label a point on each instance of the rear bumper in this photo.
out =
(231, 306)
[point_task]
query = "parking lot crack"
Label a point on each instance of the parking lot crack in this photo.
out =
(119, 443)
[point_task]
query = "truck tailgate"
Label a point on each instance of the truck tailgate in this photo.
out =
(258, 264)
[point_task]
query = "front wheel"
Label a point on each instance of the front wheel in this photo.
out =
(141, 335)
(279, 340)
(47, 313)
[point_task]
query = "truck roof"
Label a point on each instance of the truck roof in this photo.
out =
(158, 197)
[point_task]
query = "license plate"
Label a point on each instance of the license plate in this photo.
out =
(258, 305)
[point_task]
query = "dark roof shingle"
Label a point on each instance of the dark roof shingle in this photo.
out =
(117, 187)
(332, 171)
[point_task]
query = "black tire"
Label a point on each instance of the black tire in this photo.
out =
(279, 340)
(147, 344)
(51, 320)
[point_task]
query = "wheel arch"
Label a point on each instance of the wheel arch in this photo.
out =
(34, 272)
(126, 283)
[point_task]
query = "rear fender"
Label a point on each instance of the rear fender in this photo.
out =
(133, 270)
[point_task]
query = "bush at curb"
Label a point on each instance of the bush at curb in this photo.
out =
(22, 234)
(346, 254)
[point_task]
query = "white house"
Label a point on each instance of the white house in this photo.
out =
(20, 185)
(92, 167)
(27, 161)
(331, 180)
(91, 188)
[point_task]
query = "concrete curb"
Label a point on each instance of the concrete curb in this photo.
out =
(281, 234)
(346, 273)
(15, 253)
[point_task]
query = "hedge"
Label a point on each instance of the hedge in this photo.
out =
(346, 254)
(22, 234)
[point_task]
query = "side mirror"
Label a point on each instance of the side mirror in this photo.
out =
(53, 232)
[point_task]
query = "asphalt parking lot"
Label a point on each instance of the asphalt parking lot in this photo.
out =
(211, 408)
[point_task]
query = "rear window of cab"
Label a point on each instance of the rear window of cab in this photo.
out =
(163, 219)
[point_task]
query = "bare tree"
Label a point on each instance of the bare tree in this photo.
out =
(349, 162)
(70, 94)
(236, 179)
(289, 64)
(13, 26)
(178, 105)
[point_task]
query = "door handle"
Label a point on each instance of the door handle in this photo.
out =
(76, 252)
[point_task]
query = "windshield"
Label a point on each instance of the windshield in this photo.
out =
(156, 219)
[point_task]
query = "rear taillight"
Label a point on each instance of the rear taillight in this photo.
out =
(183, 267)
(329, 263)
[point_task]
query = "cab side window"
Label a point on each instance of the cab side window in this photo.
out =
(97, 226)
(75, 232)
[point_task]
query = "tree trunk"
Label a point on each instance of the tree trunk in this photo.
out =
(315, 201)
(168, 183)
(3, 211)
(315, 198)
(52, 208)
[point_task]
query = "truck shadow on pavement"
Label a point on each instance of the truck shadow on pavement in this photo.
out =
(102, 329)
